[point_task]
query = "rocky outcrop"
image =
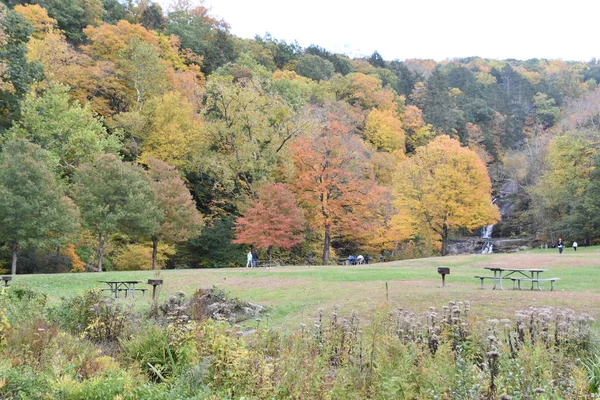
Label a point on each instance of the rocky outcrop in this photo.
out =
(207, 303)
(500, 245)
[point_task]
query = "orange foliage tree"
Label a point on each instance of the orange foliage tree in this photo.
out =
(443, 187)
(273, 219)
(334, 183)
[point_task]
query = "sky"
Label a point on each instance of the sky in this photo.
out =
(426, 29)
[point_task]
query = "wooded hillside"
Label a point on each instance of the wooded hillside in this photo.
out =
(132, 137)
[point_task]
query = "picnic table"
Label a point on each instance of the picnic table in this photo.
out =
(127, 287)
(517, 275)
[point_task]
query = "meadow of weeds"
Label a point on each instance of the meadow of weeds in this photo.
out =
(88, 346)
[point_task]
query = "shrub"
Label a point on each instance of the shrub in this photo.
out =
(22, 382)
(92, 316)
(21, 303)
(160, 351)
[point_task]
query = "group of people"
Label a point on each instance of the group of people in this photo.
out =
(560, 244)
(358, 260)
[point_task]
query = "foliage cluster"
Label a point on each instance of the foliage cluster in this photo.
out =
(445, 352)
(153, 124)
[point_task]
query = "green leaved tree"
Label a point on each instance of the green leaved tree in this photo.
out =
(16, 73)
(69, 131)
(115, 197)
(34, 209)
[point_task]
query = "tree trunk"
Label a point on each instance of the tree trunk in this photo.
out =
(100, 251)
(154, 251)
(326, 244)
(444, 241)
(15, 257)
(270, 252)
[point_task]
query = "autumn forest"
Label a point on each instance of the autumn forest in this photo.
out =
(133, 137)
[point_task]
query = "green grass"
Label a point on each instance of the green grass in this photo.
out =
(293, 294)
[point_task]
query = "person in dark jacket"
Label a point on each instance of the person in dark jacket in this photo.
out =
(254, 257)
(560, 244)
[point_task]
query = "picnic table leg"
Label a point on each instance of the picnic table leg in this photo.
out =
(499, 279)
(481, 279)
(538, 281)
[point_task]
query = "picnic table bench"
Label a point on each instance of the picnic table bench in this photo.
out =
(517, 275)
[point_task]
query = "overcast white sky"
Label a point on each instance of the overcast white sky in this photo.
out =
(435, 29)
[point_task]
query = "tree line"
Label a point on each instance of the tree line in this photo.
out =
(134, 138)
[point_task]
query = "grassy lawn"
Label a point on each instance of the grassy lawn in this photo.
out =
(293, 294)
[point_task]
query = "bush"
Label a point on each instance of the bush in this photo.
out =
(92, 316)
(22, 382)
(160, 351)
(21, 303)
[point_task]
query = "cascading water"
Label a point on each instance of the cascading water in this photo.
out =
(486, 233)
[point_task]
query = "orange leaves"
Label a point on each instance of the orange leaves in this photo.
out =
(107, 41)
(332, 180)
(273, 219)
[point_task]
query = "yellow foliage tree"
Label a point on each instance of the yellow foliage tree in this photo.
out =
(384, 131)
(38, 17)
(442, 188)
(138, 256)
(169, 130)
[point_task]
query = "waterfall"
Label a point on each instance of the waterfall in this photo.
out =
(486, 233)
(488, 247)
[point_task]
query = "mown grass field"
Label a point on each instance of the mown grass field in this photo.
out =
(293, 294)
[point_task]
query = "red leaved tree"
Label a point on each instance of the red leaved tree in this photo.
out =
(334, 183)
(273, 219)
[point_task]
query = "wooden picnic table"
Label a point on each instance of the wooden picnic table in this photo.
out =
(128, 287)
(516, 274)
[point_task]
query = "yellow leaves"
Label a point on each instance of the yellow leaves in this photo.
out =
(173, 132)
(368, 92)
(290, 76)
(107, 41)
(137, 257)
(485, 78)
(384, 130)
(38, 17)
(442, 187)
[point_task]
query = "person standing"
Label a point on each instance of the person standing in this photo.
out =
(575, 245)
(254, 257)
(249, 260)
(560, 244)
